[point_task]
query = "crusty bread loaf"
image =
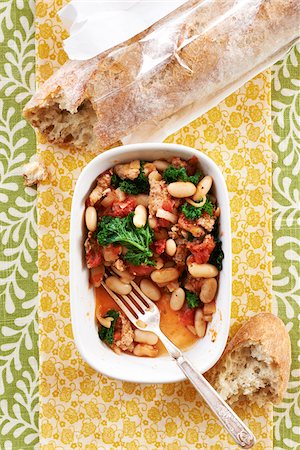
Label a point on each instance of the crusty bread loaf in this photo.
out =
(256, 362)
(195, 52)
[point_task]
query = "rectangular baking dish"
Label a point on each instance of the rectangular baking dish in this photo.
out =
(206, 352)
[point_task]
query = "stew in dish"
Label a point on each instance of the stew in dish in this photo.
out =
(155, 223)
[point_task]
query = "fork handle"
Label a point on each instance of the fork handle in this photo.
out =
(233, 424)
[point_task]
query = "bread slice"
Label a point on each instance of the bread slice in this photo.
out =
(256, 363)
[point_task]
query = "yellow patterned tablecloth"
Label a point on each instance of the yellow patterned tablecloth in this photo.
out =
(80, 408)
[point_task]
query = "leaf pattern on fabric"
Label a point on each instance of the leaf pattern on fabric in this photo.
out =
(286, 236)
(18, 233)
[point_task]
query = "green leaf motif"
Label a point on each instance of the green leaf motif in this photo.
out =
(18, 233)
(286, 238)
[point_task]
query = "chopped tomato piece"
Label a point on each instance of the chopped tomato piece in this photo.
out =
(140, 271)
(96, 275)
(163, 223)
(202, 251)
(121, 209)
(168, 205)
(93, 259)
(159, 246)
(92, 252)
(187, 317)
(117, 335)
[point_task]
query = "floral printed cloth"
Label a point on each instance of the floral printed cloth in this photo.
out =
(82, 409)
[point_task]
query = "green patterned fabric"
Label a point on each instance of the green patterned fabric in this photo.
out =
(286, 232)
(18, 233)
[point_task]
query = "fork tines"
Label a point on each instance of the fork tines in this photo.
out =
(134, 305)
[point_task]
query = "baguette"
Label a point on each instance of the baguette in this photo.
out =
(196, 51)
(256, 363)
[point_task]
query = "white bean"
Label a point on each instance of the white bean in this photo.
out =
(191, 328)
(200, 324)
(209, 308)
(152, 222)
(170, 247)
(161, 165)
(203, 187)
(140, 216)
(91, 218)
(142, 199)
(150, 290)
(177, 299)
(165, 275)
(145, 337)
(202, 270)
(208, 290)
(181, 189)
(145, 350)
(116, 285)
(207, 318)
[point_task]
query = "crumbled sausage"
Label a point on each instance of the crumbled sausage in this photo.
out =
(193, 284)
(129, 170)
(174, 233)
(125, 342)
(181, 253)
(158, 192)
(178, 162)
(103, 183)
(206, 221)
(190, 225)
(119, 265)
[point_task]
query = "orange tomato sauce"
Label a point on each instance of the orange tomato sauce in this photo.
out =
(170, 322)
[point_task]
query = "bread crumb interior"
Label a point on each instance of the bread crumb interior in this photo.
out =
(63, 127)
(248, 371)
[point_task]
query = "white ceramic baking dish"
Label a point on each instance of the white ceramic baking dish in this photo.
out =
(205, 353)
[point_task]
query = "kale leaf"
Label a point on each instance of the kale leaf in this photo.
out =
(107, 334)
(217, 255)
(192, 213)
(138, 186)
(172, 174)
(116, 230)
(192, 299)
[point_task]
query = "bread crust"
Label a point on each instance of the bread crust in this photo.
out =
(195, 56)
(269, 331)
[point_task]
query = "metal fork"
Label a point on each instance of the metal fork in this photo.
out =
(145, 315)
